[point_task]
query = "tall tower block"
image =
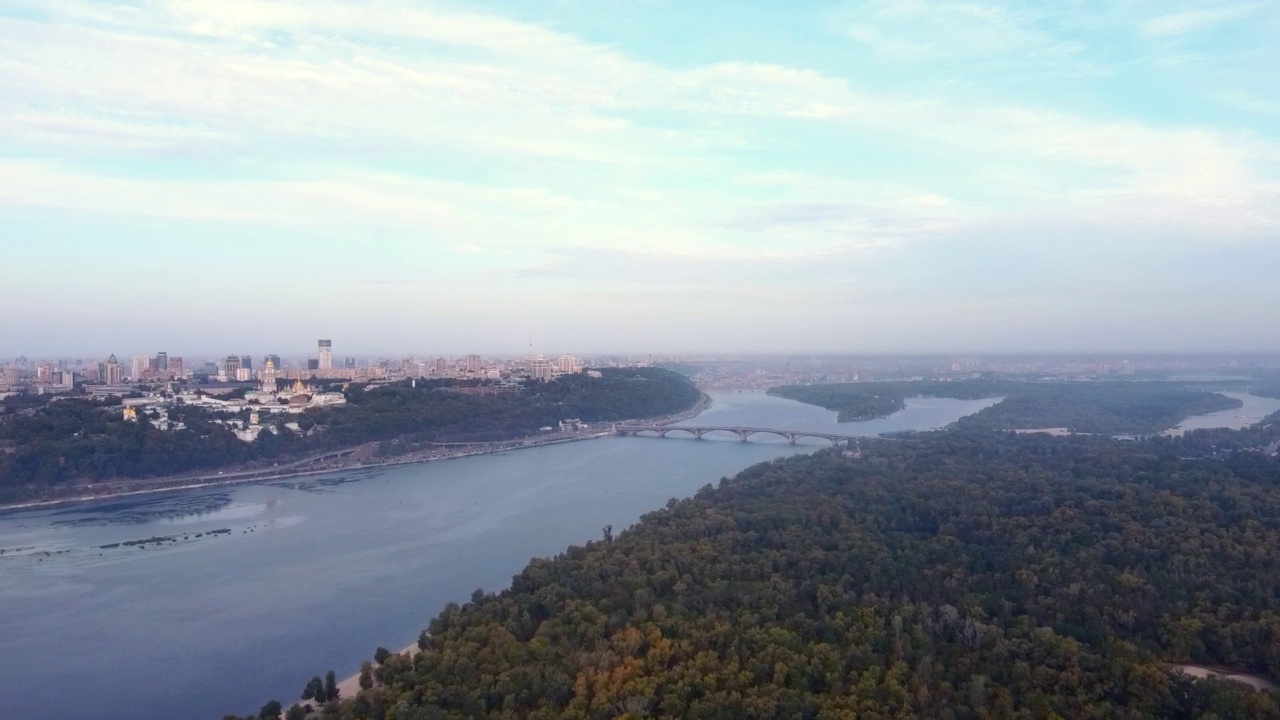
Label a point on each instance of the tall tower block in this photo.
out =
(326, 354)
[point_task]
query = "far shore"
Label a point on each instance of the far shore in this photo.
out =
(162, 485)
(213, 481)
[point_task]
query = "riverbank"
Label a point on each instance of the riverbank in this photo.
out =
(442, 451)
(350, 687)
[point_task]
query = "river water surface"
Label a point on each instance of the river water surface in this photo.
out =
(312, 574)
(1252, 411)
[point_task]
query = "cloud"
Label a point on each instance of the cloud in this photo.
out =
(1198, 19)
(916, 31)
(526, 147)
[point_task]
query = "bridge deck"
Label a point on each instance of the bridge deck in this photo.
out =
(743, 432)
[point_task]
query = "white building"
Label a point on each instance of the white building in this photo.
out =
(269, 377)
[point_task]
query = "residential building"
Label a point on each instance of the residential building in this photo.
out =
(113, 372)
(541, 369)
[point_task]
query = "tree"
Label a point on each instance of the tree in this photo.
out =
(296, 712)
(366, 675)
(330, 687)
(423, 639)
(608, 533)
(270, 711)
(381, 654)
(314, 689)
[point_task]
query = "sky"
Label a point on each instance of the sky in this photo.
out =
(245, 176)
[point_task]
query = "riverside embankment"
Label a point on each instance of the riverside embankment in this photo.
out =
(347, 459)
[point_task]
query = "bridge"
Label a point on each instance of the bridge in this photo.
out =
(743, 433)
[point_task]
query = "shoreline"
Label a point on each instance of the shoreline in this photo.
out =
(350, 687)
(249, 477)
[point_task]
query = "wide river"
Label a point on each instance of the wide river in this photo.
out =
(312, 574)
(315, 573)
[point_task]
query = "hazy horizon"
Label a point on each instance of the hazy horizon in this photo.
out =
(692, 355)
(888, 177)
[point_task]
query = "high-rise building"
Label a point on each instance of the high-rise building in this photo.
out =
(441, 366)
(349, 363)
(44, 373)
(313, 364)
(176, 368)
(230, 366)
(246, 362)
(542, 369)
(113, 372)
(243, 374)
(12, 374)
(567, 364)
(141, 365)
(474, 363)
(326, 354)
(162, 363)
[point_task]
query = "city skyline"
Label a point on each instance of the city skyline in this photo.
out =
(882, 177)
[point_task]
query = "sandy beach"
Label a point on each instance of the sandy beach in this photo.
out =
(351, 686)
(1204, 671)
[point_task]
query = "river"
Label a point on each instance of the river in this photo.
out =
(316, 572)
(1253, 410)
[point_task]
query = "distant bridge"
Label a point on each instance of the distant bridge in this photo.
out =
(743, 433)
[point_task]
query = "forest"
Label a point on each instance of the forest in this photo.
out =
(78, 439)
(956, 575)
(1108, 407)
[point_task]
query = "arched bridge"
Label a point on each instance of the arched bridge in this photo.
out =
(743, 433)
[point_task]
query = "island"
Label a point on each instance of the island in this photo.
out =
(1105, 407)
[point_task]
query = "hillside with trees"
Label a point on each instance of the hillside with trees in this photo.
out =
(1109, 407)
(959, 575)
(81, 440)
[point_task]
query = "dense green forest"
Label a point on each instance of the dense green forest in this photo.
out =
(1089, 407)
(76, 439)
(957, 575)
